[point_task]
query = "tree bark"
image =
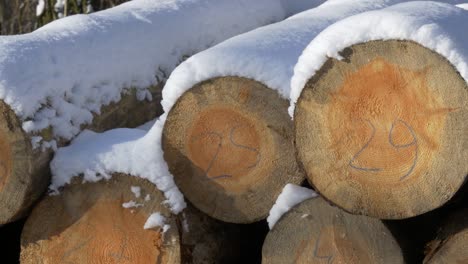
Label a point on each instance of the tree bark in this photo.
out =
(383, 131)
(228, 142)
(87, 223)
(315, 232)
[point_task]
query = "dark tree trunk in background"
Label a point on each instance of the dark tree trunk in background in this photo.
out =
(19, 16)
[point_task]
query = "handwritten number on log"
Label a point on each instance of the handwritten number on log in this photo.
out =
(414, 142)
(362, 149)
(215, 156)
(220, 138)
(245, 147)
(328, 257)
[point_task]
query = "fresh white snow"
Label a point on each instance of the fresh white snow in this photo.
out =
(62, 73)
(156, 220)
(59, 7)
(464, 6)
(267, 54)
(136, 190)
(289, 197)
(40, 7)
(131, 204)
(147, 198)
(438, 26)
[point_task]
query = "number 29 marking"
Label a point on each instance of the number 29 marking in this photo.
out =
(414, 142)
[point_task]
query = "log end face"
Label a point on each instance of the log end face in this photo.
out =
(6, 161)
(228, 142)
(19, 186)
(386, 122)
(334, 245)
(315, 232)
(226, 145)
(380, 134)
(101, 222)
(106, 233)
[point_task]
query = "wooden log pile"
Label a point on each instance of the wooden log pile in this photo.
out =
(380, 133)
(25, 170)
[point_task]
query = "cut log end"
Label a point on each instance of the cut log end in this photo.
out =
(385, 128)
(23, 171)
(228, 143)
(88, 223)
(315, 232)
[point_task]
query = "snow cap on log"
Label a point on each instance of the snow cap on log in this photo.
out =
(266, 54)
(464, 6)
(435, 25)
(289, 197)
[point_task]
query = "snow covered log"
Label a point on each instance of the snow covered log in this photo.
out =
(451, 244)
(228, 140)
(381, 118)
(25, 169)
(117, 221)
(101, 67)
(315, 232)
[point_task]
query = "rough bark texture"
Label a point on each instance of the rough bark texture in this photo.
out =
(383, 132)
(228, 143)
(87, 223)
(315, 232)
(451, 244)
(24, 171)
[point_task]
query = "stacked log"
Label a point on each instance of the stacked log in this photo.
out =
(379, 132)
(451, 244)
(383, 132)
(101, 222)
(228, 143)
(25, 171)
(228, 140)
(315, 232)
